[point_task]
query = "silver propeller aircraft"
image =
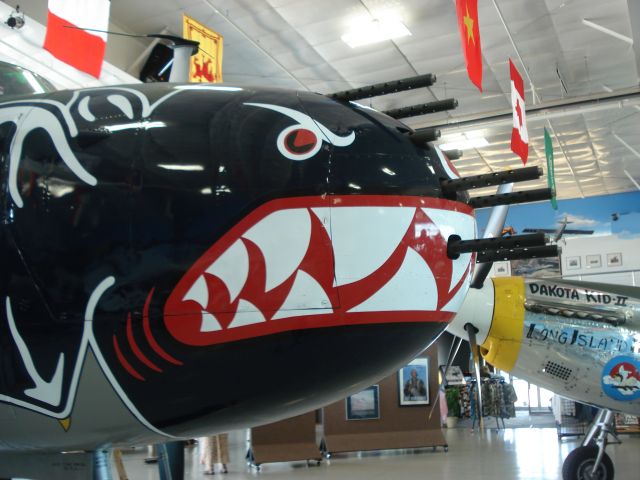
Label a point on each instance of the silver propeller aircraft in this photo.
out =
(578, 339)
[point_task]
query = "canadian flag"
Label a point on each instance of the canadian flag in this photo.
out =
(82, 49)
(519, 135)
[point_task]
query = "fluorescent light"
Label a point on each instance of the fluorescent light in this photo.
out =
(355, 186)
(374, 31)
(388, 171)
(607, 31)
(465, 143)
(183, 168)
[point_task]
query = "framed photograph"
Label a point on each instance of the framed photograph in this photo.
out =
(573, 263)
(614, 259)
(594, 261)
(502, 269)
(364, 405)
(413, 382)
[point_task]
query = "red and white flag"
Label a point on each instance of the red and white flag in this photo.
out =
(519, 135)
(81, 49)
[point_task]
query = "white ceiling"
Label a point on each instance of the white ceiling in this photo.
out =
(296, 44)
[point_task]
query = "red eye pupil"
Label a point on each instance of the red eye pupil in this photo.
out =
(300, 141)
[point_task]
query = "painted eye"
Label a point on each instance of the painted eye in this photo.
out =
(300, 141)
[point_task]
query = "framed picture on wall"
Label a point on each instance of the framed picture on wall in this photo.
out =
(502, 269)
(594, 261)
(614, 259)
(573, 263)
(413, 382)
(364, 405)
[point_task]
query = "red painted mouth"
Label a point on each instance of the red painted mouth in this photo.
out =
(312, 262)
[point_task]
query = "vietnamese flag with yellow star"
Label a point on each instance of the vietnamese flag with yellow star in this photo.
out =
(467, 11)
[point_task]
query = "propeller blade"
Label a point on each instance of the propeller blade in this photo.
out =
(494, 229)
(453, 351)
(471, 331)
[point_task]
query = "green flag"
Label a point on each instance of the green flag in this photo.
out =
(551, 181)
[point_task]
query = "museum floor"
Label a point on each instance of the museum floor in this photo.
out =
(514, 453)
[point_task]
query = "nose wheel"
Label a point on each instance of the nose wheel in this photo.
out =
(580, 462)
(590, 461)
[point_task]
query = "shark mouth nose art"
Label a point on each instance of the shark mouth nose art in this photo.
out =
(314, 262)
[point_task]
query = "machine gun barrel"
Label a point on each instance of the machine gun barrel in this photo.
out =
(489, 179)
(517, 253)
(456, 246)
(511, 198)
(385, 88)
(423, 108)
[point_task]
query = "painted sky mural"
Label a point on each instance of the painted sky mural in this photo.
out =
(617, 214)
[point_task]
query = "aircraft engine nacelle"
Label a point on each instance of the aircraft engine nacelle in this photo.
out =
(580, 340)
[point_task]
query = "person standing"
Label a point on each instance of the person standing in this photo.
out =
(214, 449)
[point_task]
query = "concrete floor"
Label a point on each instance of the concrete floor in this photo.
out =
(517, 453)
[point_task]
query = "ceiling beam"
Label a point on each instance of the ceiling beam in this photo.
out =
(632, 179)
(634, 20)
(543, 111)
(259, 47)
(536, 98)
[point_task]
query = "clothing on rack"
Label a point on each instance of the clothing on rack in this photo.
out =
(498, 398)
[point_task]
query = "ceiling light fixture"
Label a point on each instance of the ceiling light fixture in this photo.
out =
(465, 144)
(607, 31)
(374, 31)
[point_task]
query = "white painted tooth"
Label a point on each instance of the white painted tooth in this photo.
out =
(461, 224)
(283, 237)
(365, 237)
(454, 304)
(247, 314)
(209, 323)
(324, 215)
(306, 297)
(232, 267)
(198, 292)
(413, 288)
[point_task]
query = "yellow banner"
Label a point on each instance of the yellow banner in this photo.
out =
(206, 65)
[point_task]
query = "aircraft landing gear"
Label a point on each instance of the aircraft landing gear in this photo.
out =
(590, 461)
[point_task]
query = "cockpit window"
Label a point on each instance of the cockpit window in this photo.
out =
(16, 80)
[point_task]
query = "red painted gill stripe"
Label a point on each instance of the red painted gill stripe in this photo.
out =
(147, 332)
(123, 361)
(136, 350)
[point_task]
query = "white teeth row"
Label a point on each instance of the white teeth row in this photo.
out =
(363, 238)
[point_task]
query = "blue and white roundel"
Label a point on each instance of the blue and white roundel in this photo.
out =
(621, 378)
